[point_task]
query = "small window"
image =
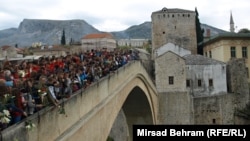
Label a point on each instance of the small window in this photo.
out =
(214, 121)
(247, 71)
(163, 32)
(188, 82)
(170, 80)
(210, 82)
(244, 52)
(199, 82)
(210, 54)
(233, 52)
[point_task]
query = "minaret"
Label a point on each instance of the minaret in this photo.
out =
(231, 23)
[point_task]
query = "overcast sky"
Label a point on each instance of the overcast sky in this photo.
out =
(117, 15)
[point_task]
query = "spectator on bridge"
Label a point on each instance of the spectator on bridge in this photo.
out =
(42, 89)
(16, 107)
(77, 81)
(8, 79)
(32, 98)
(67, 84)
(51, 92)
(55, 76)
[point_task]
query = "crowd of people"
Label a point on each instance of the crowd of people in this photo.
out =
(28, 86)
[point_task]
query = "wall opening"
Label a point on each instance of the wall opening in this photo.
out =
(137, 109)
(214, 121)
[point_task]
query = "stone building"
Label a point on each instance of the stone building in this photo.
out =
(98, 41)
(226, 46)
(169, 79)
(175, 26)
(176, 69)
(205, 76)
(194, 89)
(229, 45)
(50, 51)
(132, 42)
(181, 78)
(10, 52)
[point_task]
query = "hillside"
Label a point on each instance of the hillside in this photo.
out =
(134, 32)
(50, 31)
(45, 31)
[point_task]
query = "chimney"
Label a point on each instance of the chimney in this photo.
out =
(208, 33)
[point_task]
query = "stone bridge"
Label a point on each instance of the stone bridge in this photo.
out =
(91, 113)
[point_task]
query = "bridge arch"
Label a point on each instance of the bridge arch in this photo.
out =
(139, 105)
(137, 110)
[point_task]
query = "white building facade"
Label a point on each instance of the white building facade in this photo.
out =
(132, 42)
(176, 69)
(205, 76)
(98, 41)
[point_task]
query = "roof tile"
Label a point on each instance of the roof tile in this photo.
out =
(98, 35)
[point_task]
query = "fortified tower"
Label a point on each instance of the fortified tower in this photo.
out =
(175, 26)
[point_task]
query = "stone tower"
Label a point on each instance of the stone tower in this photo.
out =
(231, 23)
(175, 26)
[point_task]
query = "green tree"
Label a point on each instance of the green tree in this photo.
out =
(199, 33)
(148, 46)
(244, 30)
(63, 40)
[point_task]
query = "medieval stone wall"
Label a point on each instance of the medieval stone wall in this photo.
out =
(237, 81)
(214, 109)
(175, 108)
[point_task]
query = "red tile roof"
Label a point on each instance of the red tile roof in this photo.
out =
(98, 35)
(19, 49)
(5, 47)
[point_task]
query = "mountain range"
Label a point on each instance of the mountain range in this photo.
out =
(49, 32)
